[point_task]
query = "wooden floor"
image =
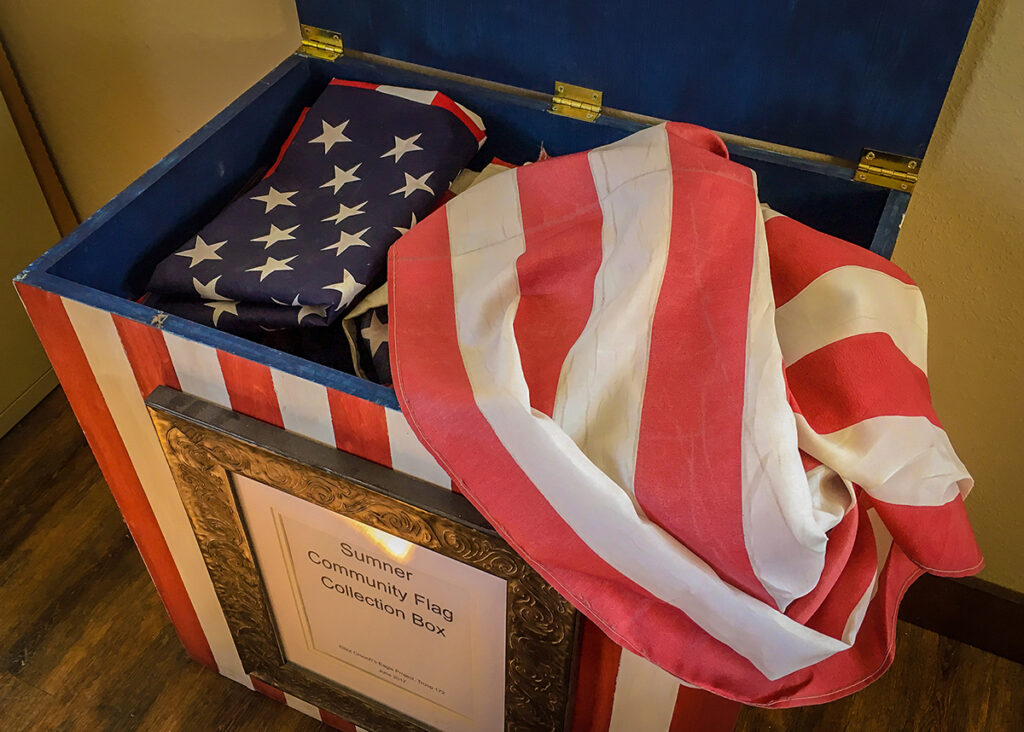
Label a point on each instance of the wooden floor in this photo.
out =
(85, 643)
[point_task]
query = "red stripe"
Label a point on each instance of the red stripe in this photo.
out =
(287, 142)
(562, 224)
(267, 690)
(799, 255)
(360, 427)
(72, 368)
(699, 335)
(858, 378)
(333, 720)
(840, 546)
(357, 84)
(148, 355)
(595, 681)
(440, 100)
(939, 538)
(697, 709)
(250, 388)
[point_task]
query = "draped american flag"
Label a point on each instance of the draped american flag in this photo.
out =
(706, 424)
(361, 166)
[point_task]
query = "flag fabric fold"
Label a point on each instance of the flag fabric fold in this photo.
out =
(704, 423)
(364, 162)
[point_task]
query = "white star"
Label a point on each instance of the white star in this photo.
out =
(403, 146)
(305, 310)
(331, 135)
(344, 212)
(349, 287)
(222, 306)
(347, 240)
(201, 251)
(415, 184)
(276, 235)
(376, 333)
(341, 177)
(275, 198)
(270, 266)
(400, 230)
(209, 290)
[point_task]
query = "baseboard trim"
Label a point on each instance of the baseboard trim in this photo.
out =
(26, 401)
(969, 610)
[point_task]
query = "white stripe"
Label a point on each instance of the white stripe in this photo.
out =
(304, 407)
(600, 390)
(645, 696)
(198, 369)
(105, 354)
(415, 95)
(883, 543)
(303, 706)
(903, 460)
(474, 117)
(408, 455)
(484, 251)
(852, 300)
(784, 538)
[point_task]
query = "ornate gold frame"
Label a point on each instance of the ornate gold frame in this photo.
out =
(205, 443)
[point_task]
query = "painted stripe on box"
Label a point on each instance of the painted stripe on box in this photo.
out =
(304, 407)
(310, 710)
(115, 378)
(645, 696)
(250, 388)
(408, 455)
(62, 345)
(198, 369)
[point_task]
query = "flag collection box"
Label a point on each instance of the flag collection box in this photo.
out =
(812, 80)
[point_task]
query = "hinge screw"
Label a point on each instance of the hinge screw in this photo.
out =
(870, 156)
(912, 164)
(862, 177)
(903, 186)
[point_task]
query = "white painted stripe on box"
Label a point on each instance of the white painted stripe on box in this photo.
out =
(116, 380)
(305, 707)
(198, 369)
(304, 407)
(645, 696)
(408, 455)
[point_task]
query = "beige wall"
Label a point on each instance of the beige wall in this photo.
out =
(963, 241)
(117, 83)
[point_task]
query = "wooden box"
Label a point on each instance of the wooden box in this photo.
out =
(777, 79)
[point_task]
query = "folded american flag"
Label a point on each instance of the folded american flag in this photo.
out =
(707, 425)
(364, 163)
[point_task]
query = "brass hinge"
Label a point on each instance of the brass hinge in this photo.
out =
(574, 101)
(887, 170)
(320, 43)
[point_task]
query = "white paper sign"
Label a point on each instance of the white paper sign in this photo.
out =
(415, 630)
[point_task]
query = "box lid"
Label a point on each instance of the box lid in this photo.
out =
(833, 77)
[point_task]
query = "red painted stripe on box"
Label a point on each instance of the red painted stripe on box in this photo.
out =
(147, 353)
(267, 690)
(61, 343)
(333, 720)
(697, 709)
(595, 680)
(250, 388)
(287, 142)
(360, 427)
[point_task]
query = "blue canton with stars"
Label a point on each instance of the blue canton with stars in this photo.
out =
(301, 247)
